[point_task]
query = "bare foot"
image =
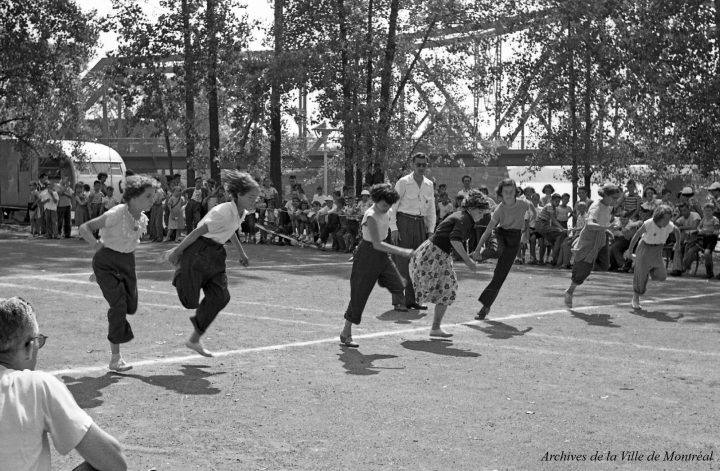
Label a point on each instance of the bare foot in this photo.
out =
(568, 300)
(198, 347)
(440, 333)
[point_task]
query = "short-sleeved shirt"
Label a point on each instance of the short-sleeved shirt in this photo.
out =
(381, 219)
(33, 404)
(222, 222)
(655, 235)
(511, 217)
(689, 223)
(458, 226)
(547, 213)
(601, 214)
(46, 198)
(709, 225)
(122, 231)
(631, 202)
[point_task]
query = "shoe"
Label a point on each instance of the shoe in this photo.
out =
(676, 273)
(400, 307)
(348, 341)
(198, 347)
(440, 333)
(482, 313)
(419, 307)
(118, 364)
(568, 300)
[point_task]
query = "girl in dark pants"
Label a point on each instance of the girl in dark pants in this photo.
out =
(509, 217)
(113, 265)
(200, 257)
(372, 263)
(592, 241)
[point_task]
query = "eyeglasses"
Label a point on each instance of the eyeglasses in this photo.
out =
(420, 164)
(40, 340)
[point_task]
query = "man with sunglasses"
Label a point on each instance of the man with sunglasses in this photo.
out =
(34, 403)
(412, 221)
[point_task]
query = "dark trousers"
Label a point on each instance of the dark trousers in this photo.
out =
(509, 240)
(370, 266)
(192, 215)
(115, 274)
(617, 251)
(412, 233)
(202, 267)
(51, 222)
(63, 215)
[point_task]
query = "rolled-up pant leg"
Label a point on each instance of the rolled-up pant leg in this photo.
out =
(115, 274)
(510, 241)
(369, 267)
(216, 298)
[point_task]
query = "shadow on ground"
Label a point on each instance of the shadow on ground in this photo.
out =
(401, 317)
(355, 363)
(600, 320)
(499, 330)
(438, 347)
(192, 380)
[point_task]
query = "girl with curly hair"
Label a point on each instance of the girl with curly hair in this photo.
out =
(120, 229)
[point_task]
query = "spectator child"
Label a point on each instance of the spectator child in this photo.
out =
(708, 230)
(108, 201)
(49, 198)
(564, 211)
(445, 207)
(547, 191)
(687, 222)
(82, 212)
(631, 200)
(176, 217)
(95, 199)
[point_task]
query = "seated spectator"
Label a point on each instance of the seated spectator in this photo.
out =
(301, 217)
(365, 202)
(686, 195)
(313, 223)
(622, 235)
(34, 403)
(687, 222)
(630, 202)
(650, 201)
(319, 196)
(714, 197)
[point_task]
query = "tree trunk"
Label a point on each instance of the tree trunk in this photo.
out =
(368, 114)
(588, 117)
(275, 123)
(189, 95)
(572, 85)
(213, 113)
(385, 89)
(347, 118)
(166, 134)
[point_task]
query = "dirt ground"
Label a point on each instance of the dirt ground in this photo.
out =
(524, 389)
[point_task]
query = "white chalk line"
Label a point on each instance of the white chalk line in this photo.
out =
(387, 333)
(168, 306)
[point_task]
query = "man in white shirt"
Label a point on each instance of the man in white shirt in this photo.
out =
(319, 196)
(467, 186)
(33, 404)
(412, 221)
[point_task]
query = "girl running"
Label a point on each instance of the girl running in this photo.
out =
(592, 238)
(371, 263)
(509, 217)
(431, 268)
(201, 256)
(649, 256)
(114, 261)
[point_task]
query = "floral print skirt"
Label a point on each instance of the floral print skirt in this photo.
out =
(432, 275)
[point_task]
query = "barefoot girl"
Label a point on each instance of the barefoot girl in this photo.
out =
(592, 237)
(114, 261)
(509, 217)
(201, 256)
(372, 263)
(431, 268)
(649, 256)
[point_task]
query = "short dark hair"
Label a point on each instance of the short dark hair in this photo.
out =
(566, 195)
(464, 177)
(292, 177)
(109, 188)
(503, 183)
(419, 155)
(442, 185)
(548, 187)
(647, 188)
(101, 175)
(136, 185)
(384, 192)
(17, 319)
(42, 175)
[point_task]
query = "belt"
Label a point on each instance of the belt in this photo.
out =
(411, 216)
(653, 245)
